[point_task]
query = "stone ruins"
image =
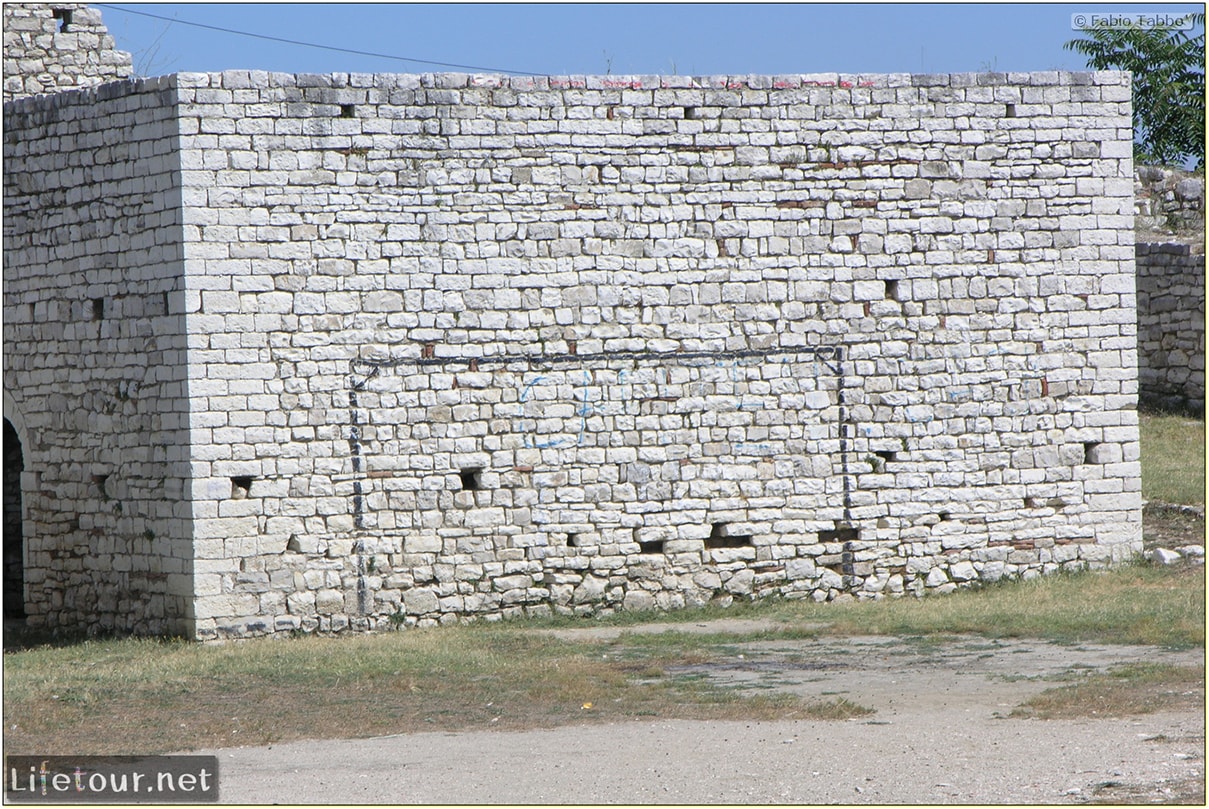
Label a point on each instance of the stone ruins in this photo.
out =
(328, 352)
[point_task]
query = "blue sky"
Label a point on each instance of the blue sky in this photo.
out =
(634, 38)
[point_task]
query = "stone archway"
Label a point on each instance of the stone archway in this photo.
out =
(14, 543)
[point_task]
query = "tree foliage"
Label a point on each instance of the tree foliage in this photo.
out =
(1168, 69)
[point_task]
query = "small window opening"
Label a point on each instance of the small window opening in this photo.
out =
(839, 535)
(648, 546)
(348, 111)
(472, 479)
(1091, 451)
(721, 537)
(944, 516)
(63, 15)
(1030, 502)
(892, 292)
(1009, 111)
(98, 308)
(99, 481)
(886, 455)
(690, 113)
(572, 540)
(241, 487)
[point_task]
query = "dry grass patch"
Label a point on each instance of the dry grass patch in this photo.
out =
(1128, 690)
(139, 696)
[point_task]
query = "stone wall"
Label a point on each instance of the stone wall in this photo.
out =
(1171, 327)
(367, 351)
(485, 346)
(94, 356)
(50, 47)
(1168, 198)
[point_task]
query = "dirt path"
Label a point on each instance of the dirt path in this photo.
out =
(939, 735)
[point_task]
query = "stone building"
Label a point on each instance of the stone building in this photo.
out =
(365, 351)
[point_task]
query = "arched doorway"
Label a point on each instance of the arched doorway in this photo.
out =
(14, 544)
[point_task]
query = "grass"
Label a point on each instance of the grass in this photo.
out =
(1173, 459)
(1127, 690)
(1132, 604)
(113, 696)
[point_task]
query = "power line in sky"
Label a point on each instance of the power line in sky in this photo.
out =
(478, 68)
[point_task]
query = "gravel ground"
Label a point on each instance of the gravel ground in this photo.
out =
(940, 734)
(934, 760)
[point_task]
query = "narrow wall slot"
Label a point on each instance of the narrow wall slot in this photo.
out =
(886, 455)
(98, 309)
(892, 293)
(99, 481)
(839, 535)
(690, 113)
(472, 479)
(241, 487)
(1009, 111)
(63, 15)
(348, 111)
(1091, 452)
(721, 537)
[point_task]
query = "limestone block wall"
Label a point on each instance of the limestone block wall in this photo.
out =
(94, 356)
(49, 47)
(1171, 326)
(471, 345)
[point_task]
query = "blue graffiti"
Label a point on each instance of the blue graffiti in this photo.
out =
(530, 386)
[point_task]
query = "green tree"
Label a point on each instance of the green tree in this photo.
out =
(1168, 69)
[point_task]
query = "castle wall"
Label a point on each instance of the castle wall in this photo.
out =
(1171, 326)
(487, 346)
(94, 356)
(50, 47)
